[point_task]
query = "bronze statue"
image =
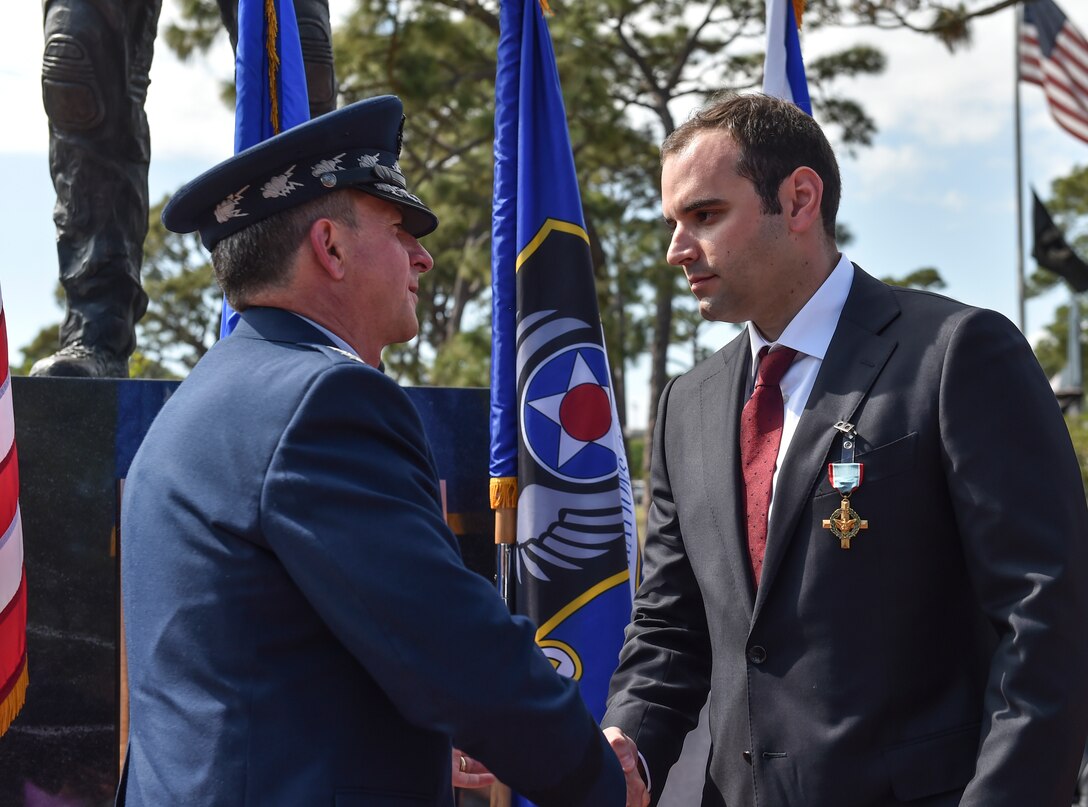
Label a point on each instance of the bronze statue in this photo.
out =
(94, 83)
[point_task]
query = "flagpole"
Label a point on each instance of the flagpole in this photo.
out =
(506, 537)
(1020, 285)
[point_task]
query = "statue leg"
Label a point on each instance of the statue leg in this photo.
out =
(94, 82)
(315, 33)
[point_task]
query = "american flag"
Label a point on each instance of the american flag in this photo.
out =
(13, 676)
(1054, 55)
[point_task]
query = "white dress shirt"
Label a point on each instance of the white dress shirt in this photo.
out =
(809, 333)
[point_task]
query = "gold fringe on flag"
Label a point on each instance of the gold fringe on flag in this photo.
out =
(504, 492)
(10, 706)
(798, 11)
(272, 27)
(546, 8)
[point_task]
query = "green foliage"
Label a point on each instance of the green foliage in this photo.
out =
(1069, 207)
(844, 114)
(196, 30)
(182, 319)
(443, 67)
(1078, 432)
(1052, 348)
(464, 360)
(949, 24)
(636, 447)
(621, 64)
(45, 343)
(140, 365)
(927, 277)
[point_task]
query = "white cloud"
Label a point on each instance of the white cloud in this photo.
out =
(884, 169)
(939, 97)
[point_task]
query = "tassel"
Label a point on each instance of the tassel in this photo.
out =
(10, 706)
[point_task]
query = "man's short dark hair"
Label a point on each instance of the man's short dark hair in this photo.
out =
(775, 138)
(260, 256)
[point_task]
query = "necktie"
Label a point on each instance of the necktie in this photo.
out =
(760, 437)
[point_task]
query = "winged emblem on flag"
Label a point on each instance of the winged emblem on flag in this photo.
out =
(572, 537)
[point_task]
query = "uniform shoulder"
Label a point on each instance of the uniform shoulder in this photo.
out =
(340, 366)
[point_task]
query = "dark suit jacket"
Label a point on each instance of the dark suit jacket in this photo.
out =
(300, 627)
(942, 660)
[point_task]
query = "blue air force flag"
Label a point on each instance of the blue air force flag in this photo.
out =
(554, 417)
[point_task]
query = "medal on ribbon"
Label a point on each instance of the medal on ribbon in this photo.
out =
(845, 476)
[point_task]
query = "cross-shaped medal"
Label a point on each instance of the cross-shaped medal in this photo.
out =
(845, 523)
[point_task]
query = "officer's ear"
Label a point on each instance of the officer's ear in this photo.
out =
(326, 243)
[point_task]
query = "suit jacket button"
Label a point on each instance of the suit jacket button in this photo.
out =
(757, 654)
(747, 756)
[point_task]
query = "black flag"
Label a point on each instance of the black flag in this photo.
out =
(1053, 253)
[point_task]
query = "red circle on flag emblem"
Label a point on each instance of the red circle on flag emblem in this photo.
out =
(585, 412)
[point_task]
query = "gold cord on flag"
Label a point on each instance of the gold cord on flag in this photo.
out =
(271, 25)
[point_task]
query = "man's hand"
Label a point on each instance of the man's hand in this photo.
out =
(627, 754)
(470, 773)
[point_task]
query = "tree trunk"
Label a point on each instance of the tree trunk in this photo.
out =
(659, 375)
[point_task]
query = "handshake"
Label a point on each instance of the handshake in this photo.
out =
(470, 773)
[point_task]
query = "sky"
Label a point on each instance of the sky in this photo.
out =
(936, 189)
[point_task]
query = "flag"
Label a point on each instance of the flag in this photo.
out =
(554, 422)
(783, 67)
(1052, 252)
(270, 84)
(1054, 55)
(13, 670)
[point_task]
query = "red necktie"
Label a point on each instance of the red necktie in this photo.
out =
(760, 437)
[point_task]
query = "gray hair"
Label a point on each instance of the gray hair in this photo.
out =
(261, 256)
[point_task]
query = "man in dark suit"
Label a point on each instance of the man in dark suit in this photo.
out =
(906, 631)
(300, 627)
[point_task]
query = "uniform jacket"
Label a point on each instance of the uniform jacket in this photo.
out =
(300, 627)
(942, 659)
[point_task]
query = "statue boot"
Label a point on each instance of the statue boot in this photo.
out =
(99, 331)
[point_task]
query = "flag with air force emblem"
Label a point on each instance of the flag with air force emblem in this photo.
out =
(554, 416)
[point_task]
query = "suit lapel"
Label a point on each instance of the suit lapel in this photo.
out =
(721, 397)
(854, 359)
